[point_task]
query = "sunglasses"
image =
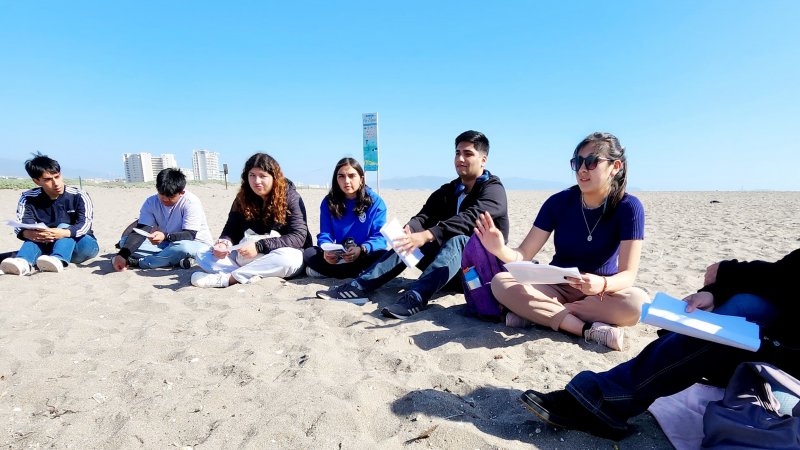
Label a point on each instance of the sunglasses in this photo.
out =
(590, 161)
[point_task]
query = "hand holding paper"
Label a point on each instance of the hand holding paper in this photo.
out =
(25, 226)
(393, 231)
(531, 273)
(331, 247)
(670, 314)
(142, 232)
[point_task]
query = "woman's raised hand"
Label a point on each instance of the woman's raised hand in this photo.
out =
(491, 237)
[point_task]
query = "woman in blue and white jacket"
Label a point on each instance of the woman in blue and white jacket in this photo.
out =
(351, 215)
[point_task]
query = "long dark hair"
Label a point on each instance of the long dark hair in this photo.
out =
(336, 197)
(607, 145)
(250, 204)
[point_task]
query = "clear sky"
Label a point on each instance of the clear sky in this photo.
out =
(705, 95)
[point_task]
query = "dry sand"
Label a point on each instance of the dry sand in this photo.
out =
(141, 359)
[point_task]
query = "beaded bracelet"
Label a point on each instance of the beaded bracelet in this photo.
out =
(605, 285)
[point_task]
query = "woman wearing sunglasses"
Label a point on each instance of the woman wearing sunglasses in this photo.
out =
(597, 228)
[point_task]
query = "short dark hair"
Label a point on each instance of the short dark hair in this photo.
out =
(40, 164)
(478, 139)
(170, 182)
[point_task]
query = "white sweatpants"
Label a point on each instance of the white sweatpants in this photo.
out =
(282, 262)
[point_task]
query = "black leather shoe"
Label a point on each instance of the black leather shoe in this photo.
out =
(562, 410)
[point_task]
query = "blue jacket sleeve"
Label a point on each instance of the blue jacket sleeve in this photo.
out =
(326, 232)
(85, 213)
(25, 214)
(376, 241)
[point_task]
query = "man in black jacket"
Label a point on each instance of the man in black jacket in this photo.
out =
(762, 292)
(440, 230)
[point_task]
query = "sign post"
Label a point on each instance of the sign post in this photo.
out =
(225, 172)
(370, 122)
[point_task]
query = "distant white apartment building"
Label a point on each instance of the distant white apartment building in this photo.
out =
(143, 167)
(188, 172)
(206, 166)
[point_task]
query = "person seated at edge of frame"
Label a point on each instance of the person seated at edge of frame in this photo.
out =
(599, 229)
(440, 230)
(351, 215)
(175, 225)
(602, 403)
(267, 223)
(67, 213)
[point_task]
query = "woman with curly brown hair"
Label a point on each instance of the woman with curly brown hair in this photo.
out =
(266, 230)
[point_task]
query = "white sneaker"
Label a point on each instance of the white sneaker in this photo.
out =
(603, 333)
(515, 321)
(15, 266)
(313, 273)
(207, 280)
(47, 263)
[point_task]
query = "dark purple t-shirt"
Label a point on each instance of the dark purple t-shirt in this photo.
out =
(561, 214)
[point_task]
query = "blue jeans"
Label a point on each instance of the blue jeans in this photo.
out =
(668, 365)
(165, 254)
(74, 250)
(439, 264)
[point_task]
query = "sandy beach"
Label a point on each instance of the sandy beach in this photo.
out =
(91, 358)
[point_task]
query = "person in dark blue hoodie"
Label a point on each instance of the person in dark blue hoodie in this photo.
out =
(351, 215)
(64, 215)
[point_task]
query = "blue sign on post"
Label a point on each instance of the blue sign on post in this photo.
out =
(370, 141)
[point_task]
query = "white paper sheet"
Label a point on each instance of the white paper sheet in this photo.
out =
(142, 232)
(25, 226)
(391, 231)
(670, 313)
(330, 247)
(530, 273)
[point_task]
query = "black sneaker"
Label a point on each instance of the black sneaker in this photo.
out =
(562, 410)
(133, 261)
(349, 292)
(406, 306)
(186, 263)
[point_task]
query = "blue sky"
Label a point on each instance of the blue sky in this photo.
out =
(705, 95)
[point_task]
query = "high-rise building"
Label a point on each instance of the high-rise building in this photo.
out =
(143, 167)
(188, 173)
(205, 165)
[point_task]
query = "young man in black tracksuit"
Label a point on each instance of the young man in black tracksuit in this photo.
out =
(64, 214)
(440, 230)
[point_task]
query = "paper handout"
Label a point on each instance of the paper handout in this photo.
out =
(238, 246)
(331, 247)
(26, 226)
(670, 314)
(531, 273)
(336, 249)
(391, 231)
(142, 232)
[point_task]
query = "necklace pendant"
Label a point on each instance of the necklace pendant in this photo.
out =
(589, 238)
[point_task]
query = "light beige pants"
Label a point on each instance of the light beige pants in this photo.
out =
(548, 304)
